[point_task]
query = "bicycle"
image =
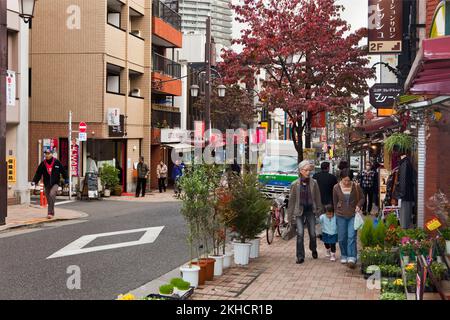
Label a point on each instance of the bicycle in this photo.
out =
(276, 219)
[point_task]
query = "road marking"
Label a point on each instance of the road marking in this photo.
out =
(77, 247)
(64, 202)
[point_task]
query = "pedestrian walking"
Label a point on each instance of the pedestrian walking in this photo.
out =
(329, 231)
(367, 185)
(51, 171)
(177, 173)
(142, 171)
(326, 182)
(304, 205)
(348, 199)
(161, 174)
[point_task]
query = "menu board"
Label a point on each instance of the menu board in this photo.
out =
(384, 175)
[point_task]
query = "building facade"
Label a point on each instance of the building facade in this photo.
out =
(17, 106)
(194, 14)
(92, 58)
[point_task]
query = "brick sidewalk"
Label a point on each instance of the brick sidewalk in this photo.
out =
(276, 276)
(22, 215)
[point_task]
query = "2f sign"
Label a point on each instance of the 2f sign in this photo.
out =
(74, 19)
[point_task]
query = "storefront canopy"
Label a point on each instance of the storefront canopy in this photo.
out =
(180, 147)
(379, 124)
(430, 73)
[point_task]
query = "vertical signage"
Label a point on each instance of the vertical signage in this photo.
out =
(75, 158)
(10, 88)
(385, 26)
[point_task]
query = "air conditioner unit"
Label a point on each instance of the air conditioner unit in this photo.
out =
(136, 92)
(136, 33)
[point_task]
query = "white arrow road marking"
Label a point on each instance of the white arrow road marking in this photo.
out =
(77, 247)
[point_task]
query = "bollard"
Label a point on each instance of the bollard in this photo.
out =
(43, 198)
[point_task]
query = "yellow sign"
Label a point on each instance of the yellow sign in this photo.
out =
(433, 224)
(265, 124)
(11, 169)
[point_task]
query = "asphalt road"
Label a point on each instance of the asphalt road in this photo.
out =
(26, 273)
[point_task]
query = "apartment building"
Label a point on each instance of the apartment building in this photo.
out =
(195, 12)
(17, 106)
(92, 58)
(166, 82)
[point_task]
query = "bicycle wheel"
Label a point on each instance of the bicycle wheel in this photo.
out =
(281, 219)
(270, 231)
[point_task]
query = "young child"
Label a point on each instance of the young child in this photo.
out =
(329, 231)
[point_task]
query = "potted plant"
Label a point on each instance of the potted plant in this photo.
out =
(398, 141)
(367, 234)
(181, 287)
(446, 235)
(109, 176)
(166, 290)
(251, 210)
(438, 269)
(406, 249)
(226, 215)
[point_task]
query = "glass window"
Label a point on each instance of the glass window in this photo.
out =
(279, 164)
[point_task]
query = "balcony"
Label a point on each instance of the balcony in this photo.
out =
(166, 26)
(164, 71)
(165, 66)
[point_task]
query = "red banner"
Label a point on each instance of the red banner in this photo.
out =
(318, 120)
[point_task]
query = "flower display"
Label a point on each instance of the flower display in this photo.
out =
(398, 282)
(410, 266)
(127, 296)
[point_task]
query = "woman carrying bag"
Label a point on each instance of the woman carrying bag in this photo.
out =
(348, 201)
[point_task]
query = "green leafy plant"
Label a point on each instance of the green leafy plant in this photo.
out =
(109, 176)
(401, 141)
(445, 233)
(379, 234)
(392, 296)
(438, 269)
(367, 234)
(166, 289)
(391, 220)
(250, 206)
(391, 271)
(180, 284)
(377, 256)
(392, 285)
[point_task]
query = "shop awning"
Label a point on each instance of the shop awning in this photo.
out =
(430, 73)
(180, 147)
(379, 124)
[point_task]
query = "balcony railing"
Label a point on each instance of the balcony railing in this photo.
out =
(166, 66)
(163, 11)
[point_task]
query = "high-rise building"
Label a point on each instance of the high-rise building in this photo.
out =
(195, 12)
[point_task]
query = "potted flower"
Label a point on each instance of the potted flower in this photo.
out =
(446, 235)
(181, 287)
(251, 210)
(166, 290)
(109, 176)
(406, 249)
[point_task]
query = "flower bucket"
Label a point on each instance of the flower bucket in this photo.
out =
(241, 253)
(218, 265)
(227, 260)
(191, 275)
(209, 268)
(202, 273)
(254, 249)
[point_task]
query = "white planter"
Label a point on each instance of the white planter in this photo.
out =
(447, 246)
(227, 260)
(254, 250)
(107, 193)
(190, 274)
(218, 265)
(241, 253)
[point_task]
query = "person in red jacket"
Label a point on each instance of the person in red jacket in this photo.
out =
(51, 170)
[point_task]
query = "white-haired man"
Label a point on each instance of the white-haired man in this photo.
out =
(304, 205)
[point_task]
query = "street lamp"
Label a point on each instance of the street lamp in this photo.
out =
(26, 9)
(194, 90)
(26, 13)
(221, 90)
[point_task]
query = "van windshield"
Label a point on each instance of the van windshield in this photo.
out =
(279, 164)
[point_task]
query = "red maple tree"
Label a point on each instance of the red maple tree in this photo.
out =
(313, 61)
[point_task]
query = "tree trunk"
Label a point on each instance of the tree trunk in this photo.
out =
(308, 130)
(298, 141)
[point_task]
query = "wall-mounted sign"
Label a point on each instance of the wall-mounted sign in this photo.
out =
(10, 88)
(385, 26)
(113, 117)
(384, 95)
(11, 169)
(318, 120)
(82, 136)
(75, 158)
(117, 131)
(174, 135)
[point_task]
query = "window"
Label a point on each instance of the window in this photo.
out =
(113, 74)
(114, 13)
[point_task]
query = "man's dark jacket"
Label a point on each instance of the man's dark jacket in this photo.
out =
(326, 182)
(57, 171)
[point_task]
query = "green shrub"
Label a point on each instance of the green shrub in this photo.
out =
(176, 281)
(380, 234)
(166, 289)
(439, 269)
(392, 296)
(367, 234)
(180, 284)
(446, 233)
(109, 175)
(391, 220)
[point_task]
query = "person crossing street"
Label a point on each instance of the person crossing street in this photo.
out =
(51, 171)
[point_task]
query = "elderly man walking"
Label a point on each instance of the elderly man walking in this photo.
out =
(304, 205)
(142, 171)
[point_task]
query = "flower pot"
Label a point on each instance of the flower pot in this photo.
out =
(107, 193)
(166, 295)
(209, 268)
(190, 274)
(254, 249)
(227, 260)
(241, 253)
(218, 265)
(447, 247)
(202, 273)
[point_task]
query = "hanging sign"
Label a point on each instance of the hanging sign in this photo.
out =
(384, 95)
(75, 158)
(318, 120)
(433, 224)
(10, 88)
(385, 26)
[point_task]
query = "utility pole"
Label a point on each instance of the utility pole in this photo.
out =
(3, 69)
(208, 76)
